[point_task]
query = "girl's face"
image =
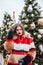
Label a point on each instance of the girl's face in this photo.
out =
(19, 31)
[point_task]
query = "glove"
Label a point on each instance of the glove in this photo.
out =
(25, 60)
(10, 35)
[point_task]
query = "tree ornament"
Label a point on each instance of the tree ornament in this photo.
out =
(30, 8)
(3, 37)
(41, 31)
(40, 22)
(34, 33)
(1, 28)
(33, 4)
(23, 15)
(35, 64)
(32, 15)
(25, 26)
(39, 36)
(7, 30)
(9, 23)
(32, 26)
(41, 47)
(26, 21)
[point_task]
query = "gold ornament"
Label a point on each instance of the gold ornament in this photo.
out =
(40, 22)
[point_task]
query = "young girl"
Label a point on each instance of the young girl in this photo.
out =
(22, 48)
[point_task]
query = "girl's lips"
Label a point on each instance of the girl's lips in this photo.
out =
(19, 33)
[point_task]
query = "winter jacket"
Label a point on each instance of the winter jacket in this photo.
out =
(22, 47)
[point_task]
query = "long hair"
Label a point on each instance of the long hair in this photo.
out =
(12, 32)
(21, 25)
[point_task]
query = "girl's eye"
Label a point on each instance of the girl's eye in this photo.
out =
(19, 29)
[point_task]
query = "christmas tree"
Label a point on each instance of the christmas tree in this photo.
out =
(7, 22)
(32, 21)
